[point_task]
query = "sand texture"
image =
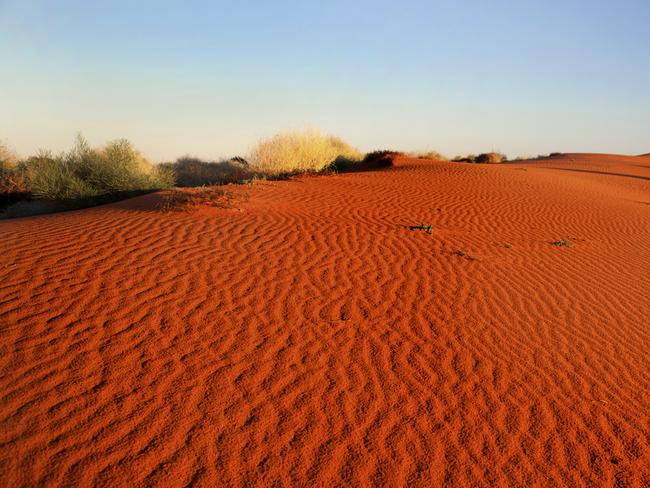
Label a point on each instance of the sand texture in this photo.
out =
(309, 337)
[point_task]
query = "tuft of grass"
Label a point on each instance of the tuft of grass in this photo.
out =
(191, 172)
(14, 186)
(483, 158)
(372, 160)
(548, 156)
(491, 158)
(300, 151)
(8, 160)
(463, 254)
(470, 158)
(434, 155)
(561, 243)
(428, 228)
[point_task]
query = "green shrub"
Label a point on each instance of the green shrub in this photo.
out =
(53, 178)
(85, 173)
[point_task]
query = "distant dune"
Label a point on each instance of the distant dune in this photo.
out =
(316, 334)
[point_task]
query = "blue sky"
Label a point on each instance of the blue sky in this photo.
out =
(210, 78)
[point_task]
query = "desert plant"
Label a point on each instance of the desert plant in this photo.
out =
(14, 186)
(239, 160)
(561, 243)
(490, 158)
(382, 154)
(300, 151)
(190, 171)
(372, 160)
(434, 155)
(53, 178)
(84, 172)
(464, 254)
(470, 158)
(8, 160)
(428, 228)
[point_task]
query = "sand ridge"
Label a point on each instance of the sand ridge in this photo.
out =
(313, 339)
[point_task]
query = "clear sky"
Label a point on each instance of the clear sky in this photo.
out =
(209, 78)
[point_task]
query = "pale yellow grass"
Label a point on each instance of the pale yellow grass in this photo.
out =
(8, 159)
(300, 151)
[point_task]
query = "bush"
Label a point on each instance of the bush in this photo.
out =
(483, 158)
(8, 160)
(381, 155)
(14, 186)
(490, 158)
(371, 161)
(300, 152)
(85, 173)
(434, 155)
(192, 172)
(470, 158)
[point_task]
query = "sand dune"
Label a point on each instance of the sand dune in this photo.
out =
(308, 337)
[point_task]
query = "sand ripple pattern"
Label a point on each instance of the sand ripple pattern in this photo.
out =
(312, 339)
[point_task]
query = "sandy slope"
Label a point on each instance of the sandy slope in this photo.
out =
(313, 339)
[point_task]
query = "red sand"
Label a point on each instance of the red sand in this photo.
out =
(313, 339)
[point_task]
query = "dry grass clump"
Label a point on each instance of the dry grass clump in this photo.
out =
(548, 156)
(371, 161)
(14, 185)
(301, 151)
(85, 173)
(470, 158)
(483, 158)
(491, 158)
(8, 160)
(434, 155)
(190, 172)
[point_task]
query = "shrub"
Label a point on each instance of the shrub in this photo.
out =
(192, 172)
(490, 158)
(52, 178)
(300, 152)
(483, 158)
(8, 160)
(470, 158)
(434, 155)
(85, 173)
(382, 154)
(372, 160)
(14, 186)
